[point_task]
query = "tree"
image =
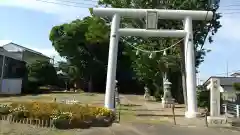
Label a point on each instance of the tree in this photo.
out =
(84, 43)
(201, 29)
(69, 73)
(42, 72)
(236, 86)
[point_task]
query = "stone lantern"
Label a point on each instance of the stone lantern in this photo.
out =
(167, 96)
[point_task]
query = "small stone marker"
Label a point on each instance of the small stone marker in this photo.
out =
(215, 117)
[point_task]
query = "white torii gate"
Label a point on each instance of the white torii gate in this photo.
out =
(187, 33)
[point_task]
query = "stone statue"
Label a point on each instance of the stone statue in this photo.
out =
(147, 93)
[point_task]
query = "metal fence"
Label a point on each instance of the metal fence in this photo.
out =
(231, 108)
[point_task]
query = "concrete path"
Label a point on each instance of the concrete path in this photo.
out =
(154, 110)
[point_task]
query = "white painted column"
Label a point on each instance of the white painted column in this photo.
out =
(112, 63)
(190, 70)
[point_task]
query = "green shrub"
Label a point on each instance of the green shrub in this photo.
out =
(4, 109)
(64, 116)
(236, 86)
(203, 99)
(158, 94)
(42, 110)
(31, 86)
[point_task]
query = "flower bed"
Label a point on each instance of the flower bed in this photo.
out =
(62, 115)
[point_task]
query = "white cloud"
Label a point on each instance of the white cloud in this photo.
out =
(65, 13)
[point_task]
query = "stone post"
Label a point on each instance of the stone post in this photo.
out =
(215, 115)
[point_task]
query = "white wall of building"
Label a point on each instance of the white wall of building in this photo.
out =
(11, 86)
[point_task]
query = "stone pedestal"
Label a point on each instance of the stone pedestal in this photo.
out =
(217, 121)
(167, 102)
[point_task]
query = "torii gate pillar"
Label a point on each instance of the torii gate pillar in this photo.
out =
(186, 15)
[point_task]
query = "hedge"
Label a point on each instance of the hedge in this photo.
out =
(71, 114)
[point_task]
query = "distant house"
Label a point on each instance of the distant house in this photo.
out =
(236, 74)
(227, 90)
(13, 60)
(12, 72)
(25, 54)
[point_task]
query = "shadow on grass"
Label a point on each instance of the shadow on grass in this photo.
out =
(42, 92)
(64, 124)
(151, 100)
(129, 105)
(232, 128)
(8, 95)
(179, 107)
(162, 115)
(137, 110)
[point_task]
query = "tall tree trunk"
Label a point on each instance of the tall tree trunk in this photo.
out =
(90, 84)
(183, 72)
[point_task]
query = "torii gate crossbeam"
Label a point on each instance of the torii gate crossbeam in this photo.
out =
(186, 15)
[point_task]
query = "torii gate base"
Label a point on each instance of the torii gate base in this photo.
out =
(186, 15)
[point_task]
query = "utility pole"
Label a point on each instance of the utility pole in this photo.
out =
(152, 16)
(227, 68)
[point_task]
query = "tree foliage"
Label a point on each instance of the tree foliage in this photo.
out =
(236, 86)
(84, 43)
(70, 73)
(42, 72)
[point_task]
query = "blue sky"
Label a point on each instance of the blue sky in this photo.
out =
(28, 23)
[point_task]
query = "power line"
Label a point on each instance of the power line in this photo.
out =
(74, 2)
(230, 72)
(88, 5)
(230, 13)
(237, 5)
(229, 9)
(64, 4)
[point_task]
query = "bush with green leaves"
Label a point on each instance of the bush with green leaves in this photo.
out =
(236, 86)
(4, 109)
(158, 94)
(203, 98)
